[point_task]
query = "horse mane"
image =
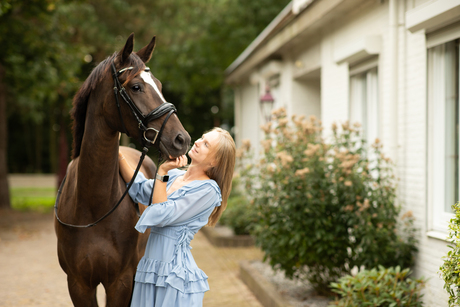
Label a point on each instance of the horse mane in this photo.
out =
(80, 101)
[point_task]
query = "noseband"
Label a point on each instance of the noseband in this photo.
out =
(142, 120)
(164, 108)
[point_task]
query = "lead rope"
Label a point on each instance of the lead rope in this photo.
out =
(144, 152)
(160, 158)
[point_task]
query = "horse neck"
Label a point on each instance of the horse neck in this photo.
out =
(98, 170)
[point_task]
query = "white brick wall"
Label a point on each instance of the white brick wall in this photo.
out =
(334, 86)
(248, 115)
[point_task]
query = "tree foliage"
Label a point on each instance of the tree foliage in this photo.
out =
(50, 46)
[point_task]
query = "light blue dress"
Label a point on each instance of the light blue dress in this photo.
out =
(167, 275)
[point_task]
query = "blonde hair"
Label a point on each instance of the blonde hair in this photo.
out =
(222, 171)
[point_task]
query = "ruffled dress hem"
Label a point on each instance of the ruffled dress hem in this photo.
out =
(163, 274)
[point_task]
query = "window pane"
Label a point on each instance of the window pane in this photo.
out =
(358, 106)
(451, 124)
(372, 98)
(364, 103)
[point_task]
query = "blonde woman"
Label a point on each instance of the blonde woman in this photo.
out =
(182, 203)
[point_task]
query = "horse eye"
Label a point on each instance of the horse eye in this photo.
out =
(136, 88)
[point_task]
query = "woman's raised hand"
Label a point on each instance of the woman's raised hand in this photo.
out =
(172, 164)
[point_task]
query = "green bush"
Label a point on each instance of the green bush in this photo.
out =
(240, 214)
(379, 287)
(450, 269)
(324, 208)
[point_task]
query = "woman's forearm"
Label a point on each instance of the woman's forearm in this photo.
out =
(127, 172)
(159, 192)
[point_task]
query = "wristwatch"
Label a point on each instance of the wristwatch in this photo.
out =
(164, 178)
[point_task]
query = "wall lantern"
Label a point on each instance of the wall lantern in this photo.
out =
(266, 104)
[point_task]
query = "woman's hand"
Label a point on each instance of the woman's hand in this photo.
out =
(172, 164)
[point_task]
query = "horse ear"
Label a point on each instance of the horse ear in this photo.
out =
(146, 53)
(124, 54)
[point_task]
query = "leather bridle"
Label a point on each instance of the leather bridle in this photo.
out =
(143, 120)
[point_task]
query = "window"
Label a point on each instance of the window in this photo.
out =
(364, 101)
(443, 116)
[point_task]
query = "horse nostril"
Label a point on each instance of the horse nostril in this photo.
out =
(180, 140)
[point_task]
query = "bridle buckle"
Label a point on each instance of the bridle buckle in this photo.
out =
(155, 138)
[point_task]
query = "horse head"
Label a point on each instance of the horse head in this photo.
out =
(145, 112)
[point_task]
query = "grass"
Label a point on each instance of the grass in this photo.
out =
(33, 199)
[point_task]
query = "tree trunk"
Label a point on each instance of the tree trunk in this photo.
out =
(38, 147)
(4, 192)
(63, 153)
(53, 142)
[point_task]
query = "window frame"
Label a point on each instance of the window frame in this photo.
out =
(438, 217)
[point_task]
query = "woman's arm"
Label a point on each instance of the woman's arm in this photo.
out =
(159, 193)
(181, 209)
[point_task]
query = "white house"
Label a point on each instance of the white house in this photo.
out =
(392, 65)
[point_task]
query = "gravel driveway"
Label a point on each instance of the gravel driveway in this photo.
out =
(30, 274)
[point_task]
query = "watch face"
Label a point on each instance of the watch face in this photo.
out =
(164, 178)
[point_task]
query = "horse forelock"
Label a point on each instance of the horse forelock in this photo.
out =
(80, 101)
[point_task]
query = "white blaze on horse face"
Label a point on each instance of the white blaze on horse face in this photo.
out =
(148, 79)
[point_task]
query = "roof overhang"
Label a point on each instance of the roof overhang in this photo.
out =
(285, 31)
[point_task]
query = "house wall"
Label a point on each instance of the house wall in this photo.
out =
(306, 98)
(247, 114)
(312, 82)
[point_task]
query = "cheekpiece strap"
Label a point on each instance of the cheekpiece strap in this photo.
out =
(142, 120)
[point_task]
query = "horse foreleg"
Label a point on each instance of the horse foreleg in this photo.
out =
(119, 292)
(81, 294)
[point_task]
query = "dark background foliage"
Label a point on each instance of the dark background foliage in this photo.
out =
(49, 47)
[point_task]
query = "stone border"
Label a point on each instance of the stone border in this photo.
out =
(264, 290)
(220, 240)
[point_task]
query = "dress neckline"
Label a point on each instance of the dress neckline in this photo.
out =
(172, 181)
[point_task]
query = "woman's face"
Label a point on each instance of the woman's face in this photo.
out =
(203, 147)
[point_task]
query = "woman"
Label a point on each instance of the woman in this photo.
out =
(167, 275)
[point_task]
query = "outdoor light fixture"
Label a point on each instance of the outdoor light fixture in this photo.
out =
(266, 104)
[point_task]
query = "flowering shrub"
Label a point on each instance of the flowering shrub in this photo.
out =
(379, 287)
(325, 208)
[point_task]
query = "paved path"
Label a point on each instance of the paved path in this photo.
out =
(30, 274)
(32, 180)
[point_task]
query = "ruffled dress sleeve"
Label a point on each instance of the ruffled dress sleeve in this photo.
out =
(142, 187)
(181, 209)
(181, 206)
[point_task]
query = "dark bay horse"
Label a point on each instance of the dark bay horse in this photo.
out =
(108, 252)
